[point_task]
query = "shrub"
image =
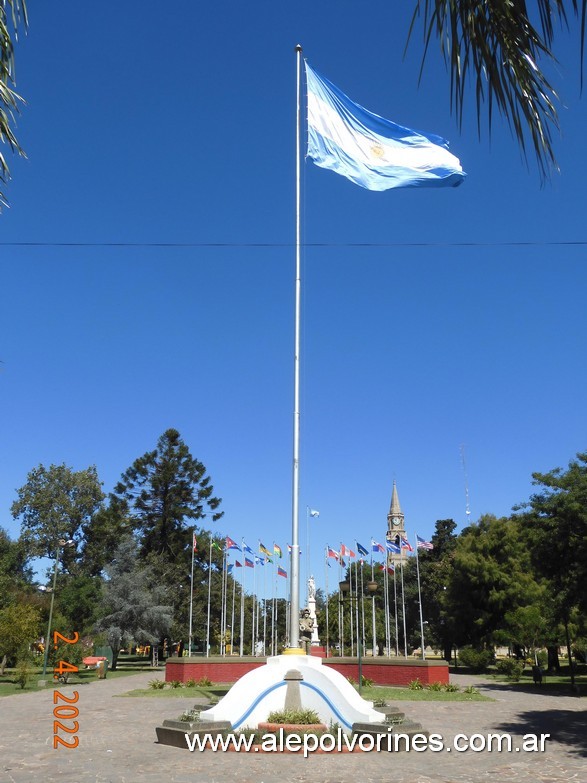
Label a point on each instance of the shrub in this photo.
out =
(450, 687)
(23, 673)
(470, 690)
(476, 660)
(157, 685)
(304, 717)
(191, 683)
(416, 685)
(542, 658)
(510, 668)
(366, 682)
(175, 684)
(435, 686)
(190, 716)
(204, 682)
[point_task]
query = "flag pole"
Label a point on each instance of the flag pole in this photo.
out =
(208, 612)
(326, 582)
(294, 610)
(403, 603)
(191, 595)
(242, 618)
(420, 601)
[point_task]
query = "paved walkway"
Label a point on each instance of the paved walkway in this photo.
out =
(117, 743)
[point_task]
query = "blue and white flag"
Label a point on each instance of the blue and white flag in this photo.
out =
(369, 150)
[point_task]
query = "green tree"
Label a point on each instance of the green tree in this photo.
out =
(102, 534)
(163, 490)
(14, 573)
(19, 627)
(133, 607)
(492, 575)
(555, 526)
(436, 567)
(56, 503)
(13, 14)
(500, 48)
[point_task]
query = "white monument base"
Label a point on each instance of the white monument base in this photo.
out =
(261, 691)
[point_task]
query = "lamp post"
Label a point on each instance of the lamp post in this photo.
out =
(60, 544)
(347, 594)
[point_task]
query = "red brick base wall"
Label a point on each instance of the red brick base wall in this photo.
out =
(386, 671)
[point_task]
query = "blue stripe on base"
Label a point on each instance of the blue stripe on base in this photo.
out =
(269, 690)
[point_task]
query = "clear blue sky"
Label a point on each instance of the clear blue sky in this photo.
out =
(149, 125)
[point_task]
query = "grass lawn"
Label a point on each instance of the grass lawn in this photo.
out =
(372, 693)
(389, 694)
(554, 684)
(127, 665)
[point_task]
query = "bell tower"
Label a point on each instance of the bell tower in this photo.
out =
(395, 527)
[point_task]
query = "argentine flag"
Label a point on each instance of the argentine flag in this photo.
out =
(369, 150)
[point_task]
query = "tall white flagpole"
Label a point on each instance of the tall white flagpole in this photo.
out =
(403, 604)
(395, 613)
(373, 606)
(420, 602)
(294, 608)
(386, 605)
(191, 595)
(209, 593)
(232, 617)
(242, 628)
(326, 582)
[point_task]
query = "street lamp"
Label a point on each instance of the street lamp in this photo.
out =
(60, 545)
(347, 594)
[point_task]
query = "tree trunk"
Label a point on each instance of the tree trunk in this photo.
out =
(553, 661)
(114, 658)
(570, 657)
(3, 664)
(447, 652)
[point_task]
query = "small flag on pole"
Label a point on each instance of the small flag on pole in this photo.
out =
(394, 548)
(332, 553)
(195, 543)
(314, 513)
(362, 550)
(346, 552)
(249, 563)
(375, 547)
(230, 544)
(422, 544)
(281, 572)
(277, 550)
(405, 544)
(371, 151)
(247, 548)
(237, 564)
(263, 548)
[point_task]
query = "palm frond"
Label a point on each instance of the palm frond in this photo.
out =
(13, 14)
(495, 45)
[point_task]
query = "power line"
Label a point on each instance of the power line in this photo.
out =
(569, 243)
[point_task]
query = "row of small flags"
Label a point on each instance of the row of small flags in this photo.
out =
(230, 544)
(330, 553)
(378, 548)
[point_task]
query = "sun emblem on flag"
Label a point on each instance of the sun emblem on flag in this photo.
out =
(377, 151)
